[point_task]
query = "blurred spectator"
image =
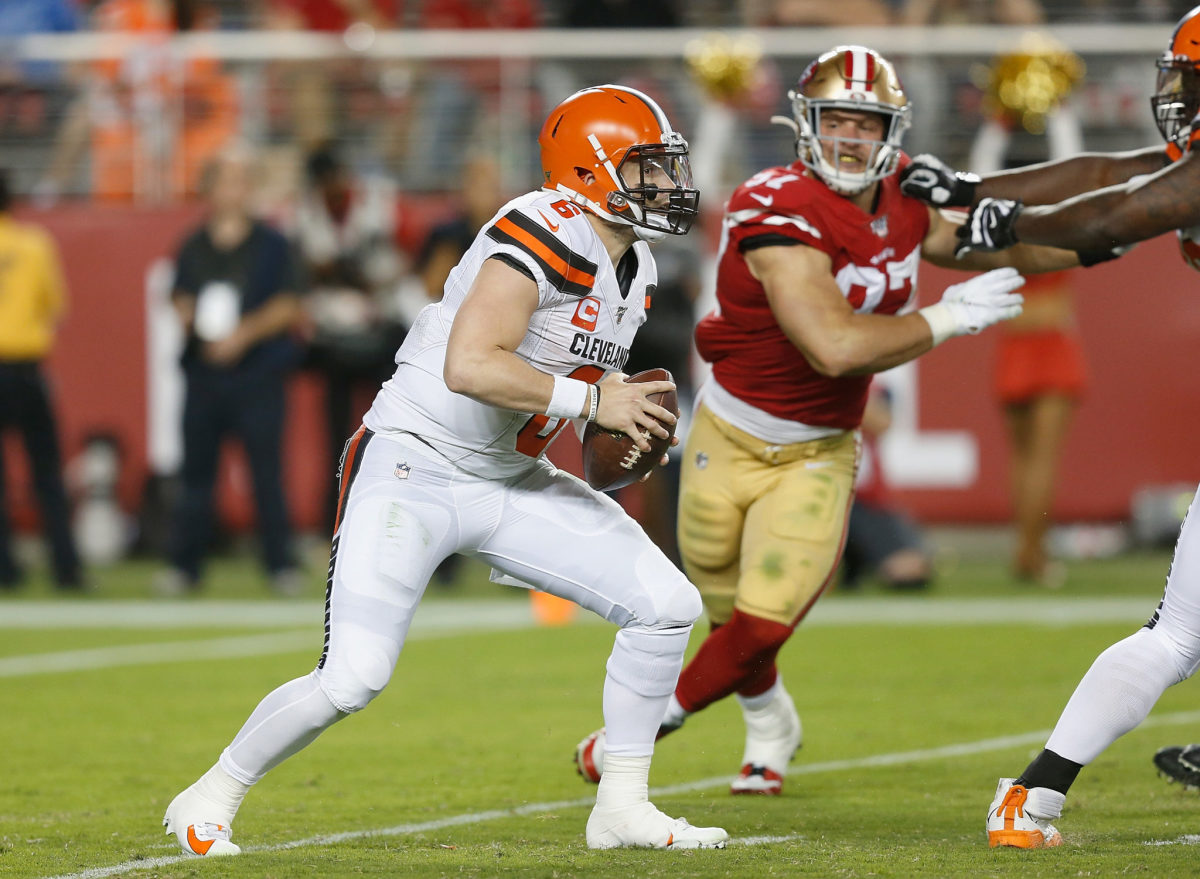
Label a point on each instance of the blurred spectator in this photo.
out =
(151, 119)
(1040, 373)
(621, 13)
(345, 231)
(32, 302)
(881, 540)
(334, 16)
(1040, 376)
(461, 99)
(236, 286)
(19, 18)
(477, 198)
(818, 13)
(927, 12)
(311, 88)
(458, 14)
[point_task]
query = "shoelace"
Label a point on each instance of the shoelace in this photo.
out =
(213, 831)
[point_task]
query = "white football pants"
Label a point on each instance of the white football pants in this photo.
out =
(1126, 680)
(405, 511)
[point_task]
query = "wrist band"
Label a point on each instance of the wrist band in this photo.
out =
(941, 322)
(569, 397)
(593, 402)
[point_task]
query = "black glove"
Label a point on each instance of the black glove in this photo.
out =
(989, 227)
(934, 182)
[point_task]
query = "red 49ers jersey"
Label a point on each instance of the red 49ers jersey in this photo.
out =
(875, 259)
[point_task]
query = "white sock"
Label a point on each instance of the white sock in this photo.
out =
(286, 720)
(224, 792)
(675, 715)
(625, 783)
(762, 700)
(1114, 696)
(642, 671)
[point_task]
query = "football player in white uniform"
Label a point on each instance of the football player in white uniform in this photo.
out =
(1098, 202)
(532, 333)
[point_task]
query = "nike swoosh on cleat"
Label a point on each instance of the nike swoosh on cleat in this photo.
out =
(670, 839)
(553, 227)
(200, 848)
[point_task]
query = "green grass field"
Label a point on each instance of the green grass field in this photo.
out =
(913, 706)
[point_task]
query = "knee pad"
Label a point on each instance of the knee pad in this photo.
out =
(354, 675)
(666, 598)
(648, 661)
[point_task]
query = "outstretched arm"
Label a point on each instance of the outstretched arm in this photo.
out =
(1117, 215)
(934, 182)
(1051, 182)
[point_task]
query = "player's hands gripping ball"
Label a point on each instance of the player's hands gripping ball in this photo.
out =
(611, 457)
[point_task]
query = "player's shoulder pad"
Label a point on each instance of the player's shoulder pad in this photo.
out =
(555, 238)
(783, 197)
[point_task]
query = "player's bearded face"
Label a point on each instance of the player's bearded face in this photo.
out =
(849, 139)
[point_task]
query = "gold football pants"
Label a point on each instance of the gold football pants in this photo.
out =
(762, 526)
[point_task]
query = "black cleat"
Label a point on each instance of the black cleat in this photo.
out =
(1180, 763)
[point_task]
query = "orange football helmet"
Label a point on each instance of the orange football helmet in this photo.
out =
(1176, 98)
(640, 174)
(851, 78)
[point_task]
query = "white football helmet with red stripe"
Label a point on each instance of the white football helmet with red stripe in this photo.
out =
(851, 78)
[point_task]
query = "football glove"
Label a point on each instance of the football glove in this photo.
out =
(989, 227)
(934, 182)
(976, 304)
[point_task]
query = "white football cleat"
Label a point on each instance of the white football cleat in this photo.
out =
(773, 735)
(643, 826)
(1020, 817)
(197, 835)
(589, 757)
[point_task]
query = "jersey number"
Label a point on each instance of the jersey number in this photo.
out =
(540, 430)
(866, 286)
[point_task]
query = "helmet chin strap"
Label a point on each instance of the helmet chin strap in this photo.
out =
(650, 236)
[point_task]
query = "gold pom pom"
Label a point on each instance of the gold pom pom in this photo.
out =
(1026, 85)
(724, 66)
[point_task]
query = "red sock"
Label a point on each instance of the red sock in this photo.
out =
(737, 655)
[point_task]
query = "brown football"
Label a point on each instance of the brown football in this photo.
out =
(610, 459)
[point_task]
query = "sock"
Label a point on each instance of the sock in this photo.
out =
(1050, 770)
(731, 657)
(642, 671)
(287, 719)
(761, 700)
(625, 783)
(1115, 695)
(224, 791)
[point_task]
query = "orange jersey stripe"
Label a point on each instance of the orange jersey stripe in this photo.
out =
(536, 247)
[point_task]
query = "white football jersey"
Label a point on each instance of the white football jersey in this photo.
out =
(583, 327)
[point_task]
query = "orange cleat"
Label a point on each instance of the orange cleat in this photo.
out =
(1020, 817)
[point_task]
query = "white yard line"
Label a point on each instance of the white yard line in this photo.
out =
(898, 758)
(835, 611)
(440, 618)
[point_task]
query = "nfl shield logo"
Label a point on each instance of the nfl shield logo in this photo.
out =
(402, 470)
(621, 309)
(880, 227)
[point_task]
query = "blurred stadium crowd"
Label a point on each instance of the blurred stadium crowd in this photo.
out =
(380, 167)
